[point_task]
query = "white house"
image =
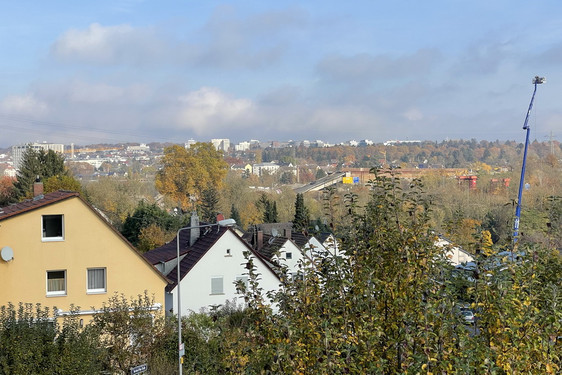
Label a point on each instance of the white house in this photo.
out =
(454, 254)
(280, 249)
(212, 260)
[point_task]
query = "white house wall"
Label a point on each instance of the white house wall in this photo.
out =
(296, 256)
(196, 285)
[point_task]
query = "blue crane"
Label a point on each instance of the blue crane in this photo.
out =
(536, 81)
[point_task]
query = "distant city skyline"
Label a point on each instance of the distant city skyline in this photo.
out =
(142, 71)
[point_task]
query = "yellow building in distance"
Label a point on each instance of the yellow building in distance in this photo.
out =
(58, 251)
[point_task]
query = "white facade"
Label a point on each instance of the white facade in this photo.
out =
(270, 168)
(221, 144)
(242, 146)
(19, 150)
(211, 281)
(454, 254)
(289, 255)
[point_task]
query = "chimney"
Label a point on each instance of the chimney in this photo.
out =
(259, 240)
(195, 230)
(37, 187)
(288, 233)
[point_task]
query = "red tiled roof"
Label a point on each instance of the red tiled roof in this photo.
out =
(37, 202)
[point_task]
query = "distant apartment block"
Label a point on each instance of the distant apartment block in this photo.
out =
(189, 143)
(141, 148)
(221, 144)
(270, 168)
(396, 142)
(242, 146)
(19, 150)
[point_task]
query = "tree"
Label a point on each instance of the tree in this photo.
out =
(234, 214)
(320, 173)
(55, 183)
(151, 237)
(118, 198)
(268, 209)
(7, 191)
(144, 216)
(186, 173)
(209, 205)
(302, 217)
(38, 164)
(133, 333)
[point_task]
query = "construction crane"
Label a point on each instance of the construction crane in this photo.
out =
(536, 81)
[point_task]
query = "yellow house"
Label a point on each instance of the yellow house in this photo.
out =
(58, 251)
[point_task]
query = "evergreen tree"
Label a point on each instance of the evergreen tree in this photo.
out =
(234, 214)
(302, 216)
(144, 216)
(268, 208)
(209, 205)
(38, 164)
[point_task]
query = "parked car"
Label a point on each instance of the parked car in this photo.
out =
(468, 316)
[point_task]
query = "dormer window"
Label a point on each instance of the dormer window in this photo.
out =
(52, 228)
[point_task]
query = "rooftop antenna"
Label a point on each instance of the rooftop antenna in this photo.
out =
(536, 81)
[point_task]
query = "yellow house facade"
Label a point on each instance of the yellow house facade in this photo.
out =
(57, 250)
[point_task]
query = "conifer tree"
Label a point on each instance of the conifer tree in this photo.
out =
(209, 204)
(302, 216)
(38, 164)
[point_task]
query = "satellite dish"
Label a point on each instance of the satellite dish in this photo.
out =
(274, 232)
(7, 253)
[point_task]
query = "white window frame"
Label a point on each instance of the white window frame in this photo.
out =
(96, 290)
(214, 289)
(55, 293)
(44, 238)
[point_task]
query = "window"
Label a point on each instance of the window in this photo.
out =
(244, 280)
(56, 283)
(217, 285)
(52, 228)
(288, 255)
(96, 280)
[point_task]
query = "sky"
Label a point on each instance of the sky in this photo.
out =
(114, 71)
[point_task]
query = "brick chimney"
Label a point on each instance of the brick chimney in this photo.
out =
(37, 187)
(259, 240)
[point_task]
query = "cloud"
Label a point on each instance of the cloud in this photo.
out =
(485, 56)
(209, 109)
(27, 105)
(256, 41)
(366, 68)
(109, 45)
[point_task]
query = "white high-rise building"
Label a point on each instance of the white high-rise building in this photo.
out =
(242, 146)
(19, 150)
(221, 144)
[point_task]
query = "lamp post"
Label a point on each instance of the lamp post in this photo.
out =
(536, 81)
(221, 223)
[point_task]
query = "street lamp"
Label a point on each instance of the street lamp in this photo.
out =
(221, 223)
(536, 81)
